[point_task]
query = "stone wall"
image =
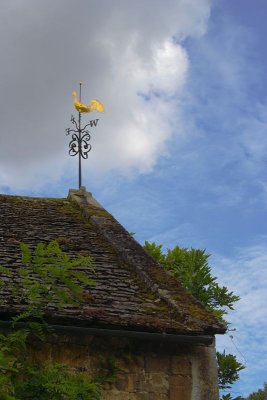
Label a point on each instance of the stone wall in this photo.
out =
(141, 370)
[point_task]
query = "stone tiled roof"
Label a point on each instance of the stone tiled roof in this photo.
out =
(132, 291)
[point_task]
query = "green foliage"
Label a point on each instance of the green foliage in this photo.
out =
(229, 397)
(57, 276)
(261, 394)
(191, 268)
(55, 381)
(48, 277)
(229, 368)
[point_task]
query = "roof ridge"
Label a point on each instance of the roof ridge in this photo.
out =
(159, 280)
(23, 197)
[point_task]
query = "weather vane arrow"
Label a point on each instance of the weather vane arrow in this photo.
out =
(80, 136)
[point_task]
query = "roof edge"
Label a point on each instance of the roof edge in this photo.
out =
(87, 331)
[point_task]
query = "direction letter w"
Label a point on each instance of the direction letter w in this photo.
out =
(93, 122)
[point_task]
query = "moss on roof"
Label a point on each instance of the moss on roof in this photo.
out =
(132, 291)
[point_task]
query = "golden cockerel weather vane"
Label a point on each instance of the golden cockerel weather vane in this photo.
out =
(80, 136)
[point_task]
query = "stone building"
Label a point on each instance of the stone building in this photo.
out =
(161, 337)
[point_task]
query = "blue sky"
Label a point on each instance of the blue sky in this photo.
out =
(179, 157)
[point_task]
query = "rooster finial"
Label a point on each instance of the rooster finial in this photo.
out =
(84, 108)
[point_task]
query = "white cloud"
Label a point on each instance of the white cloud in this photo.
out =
(122, 51)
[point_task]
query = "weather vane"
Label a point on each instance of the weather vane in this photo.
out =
(80, 136)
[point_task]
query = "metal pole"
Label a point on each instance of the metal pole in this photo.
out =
(80, 144)
(80, 137)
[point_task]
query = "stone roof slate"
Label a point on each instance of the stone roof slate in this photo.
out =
(132, 292)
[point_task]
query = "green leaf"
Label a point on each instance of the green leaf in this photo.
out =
(228, 369)
(26, 253)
